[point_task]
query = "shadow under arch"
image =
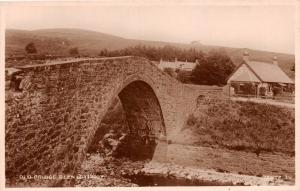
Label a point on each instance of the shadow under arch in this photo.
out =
(144, 118)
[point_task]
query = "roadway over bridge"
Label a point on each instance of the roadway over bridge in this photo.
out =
(53, 111)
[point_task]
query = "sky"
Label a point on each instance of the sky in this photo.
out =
(261, 27)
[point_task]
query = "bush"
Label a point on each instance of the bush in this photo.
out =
(74, 51)
(184, 76)
(170, 72)
(30, 48)
(192, 120)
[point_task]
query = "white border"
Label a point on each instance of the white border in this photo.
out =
(295, 3)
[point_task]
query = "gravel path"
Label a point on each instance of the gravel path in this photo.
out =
(266, 101)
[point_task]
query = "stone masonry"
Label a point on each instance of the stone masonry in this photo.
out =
(53, 111)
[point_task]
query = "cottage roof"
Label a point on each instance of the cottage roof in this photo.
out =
(264, 72)
(269, 72)
(244, 74)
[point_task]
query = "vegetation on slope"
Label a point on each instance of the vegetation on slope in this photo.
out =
(243, 126)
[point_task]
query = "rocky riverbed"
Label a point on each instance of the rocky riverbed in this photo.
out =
(99, 170)
(195, 166)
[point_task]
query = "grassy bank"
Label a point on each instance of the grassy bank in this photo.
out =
(243, 126)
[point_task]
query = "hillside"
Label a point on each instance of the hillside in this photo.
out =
(59, 41)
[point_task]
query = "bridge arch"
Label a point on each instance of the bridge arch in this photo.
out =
(143, 115)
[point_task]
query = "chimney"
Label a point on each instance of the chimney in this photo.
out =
(275, 60)
(246, 56)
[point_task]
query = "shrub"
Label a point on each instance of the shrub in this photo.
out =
(74, 51)
(192, 120)
(184, 76)
(30, 48)
(170, 72)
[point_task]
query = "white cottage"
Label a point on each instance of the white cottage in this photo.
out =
(186, 66)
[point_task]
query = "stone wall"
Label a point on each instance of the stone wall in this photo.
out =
(53, 110)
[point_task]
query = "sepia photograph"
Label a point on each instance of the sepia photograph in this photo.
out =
(140, 94)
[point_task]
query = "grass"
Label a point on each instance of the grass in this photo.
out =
(243, 126)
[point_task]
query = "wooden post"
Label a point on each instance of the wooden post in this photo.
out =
(229, 86)
(256, 90)
(257, 93)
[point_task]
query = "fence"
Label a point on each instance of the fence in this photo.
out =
(281, 98)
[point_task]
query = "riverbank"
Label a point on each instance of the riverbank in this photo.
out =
(206, 177)
(107, 171)
(237, 162)
(194, 166)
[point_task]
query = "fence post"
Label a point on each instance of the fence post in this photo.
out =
(229, 88)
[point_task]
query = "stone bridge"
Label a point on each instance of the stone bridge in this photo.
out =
(53, 111)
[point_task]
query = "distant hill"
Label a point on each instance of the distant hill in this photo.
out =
(59, 41)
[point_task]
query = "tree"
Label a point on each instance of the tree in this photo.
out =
(213, 69)
(103, 52)
(30, 48)
(74, 51)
